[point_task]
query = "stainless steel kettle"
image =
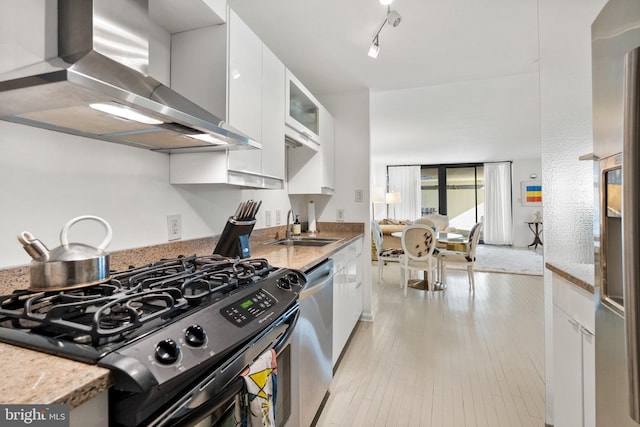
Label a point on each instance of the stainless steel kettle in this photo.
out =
(71, 265)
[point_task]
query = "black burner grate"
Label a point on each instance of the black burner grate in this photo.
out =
(139, 296)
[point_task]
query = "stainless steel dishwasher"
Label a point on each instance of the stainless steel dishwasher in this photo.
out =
(312, 346)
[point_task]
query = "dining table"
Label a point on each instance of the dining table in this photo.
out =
(444, 240)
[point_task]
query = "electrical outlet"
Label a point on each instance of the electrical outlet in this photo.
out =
(359, 196)
(278, 217)
(339, 214)
(267, 218)
(174, 227)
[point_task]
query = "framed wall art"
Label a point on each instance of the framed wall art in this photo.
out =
(531, 193)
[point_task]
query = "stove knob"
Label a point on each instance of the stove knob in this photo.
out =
(284, 283)
(195, 336)
(293, 278)
(167, 351)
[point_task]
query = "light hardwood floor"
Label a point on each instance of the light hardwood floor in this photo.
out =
(451, 359)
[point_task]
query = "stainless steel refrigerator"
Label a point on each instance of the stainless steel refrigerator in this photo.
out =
(616, 124)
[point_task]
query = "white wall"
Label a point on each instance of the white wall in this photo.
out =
(566, 129)
(486, 120)
(522, 170)
(351, 113)
(47, 178)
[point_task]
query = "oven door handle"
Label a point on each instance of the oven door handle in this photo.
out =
(292, 318)
(203, 399)
(226, 397)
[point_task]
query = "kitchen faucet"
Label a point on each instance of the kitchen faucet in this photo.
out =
(288, 232)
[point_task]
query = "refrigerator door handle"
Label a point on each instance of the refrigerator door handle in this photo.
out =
(631, 225)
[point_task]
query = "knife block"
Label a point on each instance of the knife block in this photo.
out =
(234, 240)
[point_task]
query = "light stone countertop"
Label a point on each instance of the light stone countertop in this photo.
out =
(581, 275)
(39, 378)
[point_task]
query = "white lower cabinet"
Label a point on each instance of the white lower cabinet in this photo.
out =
(573, 355)
(347, 295)
(92, 413)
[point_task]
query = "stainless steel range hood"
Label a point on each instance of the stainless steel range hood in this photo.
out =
(103, 58)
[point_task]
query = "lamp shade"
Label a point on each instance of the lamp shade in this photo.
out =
(392, 198)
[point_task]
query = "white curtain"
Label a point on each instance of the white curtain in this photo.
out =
(406, 181)
(498, 221)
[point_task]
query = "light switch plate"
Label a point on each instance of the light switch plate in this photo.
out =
(359, 196)
(339, 214)
(278, 217)
(267, 218)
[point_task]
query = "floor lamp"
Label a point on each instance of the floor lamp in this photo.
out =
(377, 196)
(392, 199)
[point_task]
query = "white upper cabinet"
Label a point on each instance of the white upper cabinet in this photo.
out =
(312, 172)
(220, 68)
(199, 67)
(244, 76)
(273, 105)
(327, 130)
(230, 72)
(270, 161)
(185, 15)
(302, 114)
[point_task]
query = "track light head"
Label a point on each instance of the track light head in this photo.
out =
(393, 18)
(374, 49)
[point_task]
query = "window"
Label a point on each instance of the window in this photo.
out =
(454, 190)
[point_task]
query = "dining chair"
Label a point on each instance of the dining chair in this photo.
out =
(384, 255)
(426, 221)
(467, 257)
(418, 242)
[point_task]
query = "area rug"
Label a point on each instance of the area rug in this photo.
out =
(506, 259)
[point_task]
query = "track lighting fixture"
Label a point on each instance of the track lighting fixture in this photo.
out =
(393, 18)
(375, 48)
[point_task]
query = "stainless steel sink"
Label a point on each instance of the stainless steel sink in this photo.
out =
(306, 241)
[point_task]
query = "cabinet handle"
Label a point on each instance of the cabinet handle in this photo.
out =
(574, 323)
(585, 331)
(305, 136)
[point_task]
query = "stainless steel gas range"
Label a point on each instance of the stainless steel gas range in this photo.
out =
(176, 334)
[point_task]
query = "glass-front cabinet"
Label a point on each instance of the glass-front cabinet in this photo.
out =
(302, 114)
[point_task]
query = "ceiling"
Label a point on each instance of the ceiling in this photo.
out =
(439, 44)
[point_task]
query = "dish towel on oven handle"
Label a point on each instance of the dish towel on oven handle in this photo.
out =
(261, 381)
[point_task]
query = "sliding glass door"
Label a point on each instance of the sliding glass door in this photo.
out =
(454, 190)
(465, 196)
(430, 190)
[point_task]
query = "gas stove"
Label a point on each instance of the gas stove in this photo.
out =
(157, 325)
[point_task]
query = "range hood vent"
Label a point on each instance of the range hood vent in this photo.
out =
(103, 58)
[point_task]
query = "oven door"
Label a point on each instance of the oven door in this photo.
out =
(216, 398)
